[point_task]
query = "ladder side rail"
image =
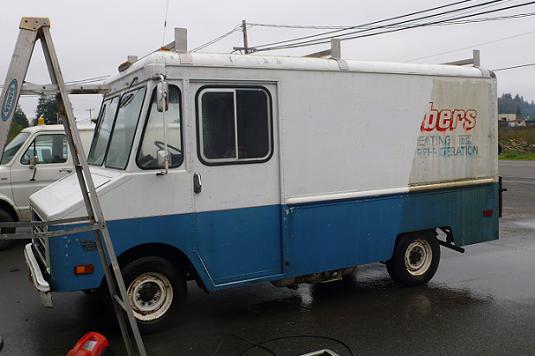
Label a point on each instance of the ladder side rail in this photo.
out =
(14, 81)
(88, 188)
(113, 291)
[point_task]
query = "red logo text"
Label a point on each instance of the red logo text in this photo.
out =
(448, 119)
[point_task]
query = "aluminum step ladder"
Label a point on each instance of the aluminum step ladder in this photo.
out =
(31, 30)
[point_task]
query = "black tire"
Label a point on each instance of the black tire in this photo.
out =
(6, 217)
(422, 251)
(154, 270)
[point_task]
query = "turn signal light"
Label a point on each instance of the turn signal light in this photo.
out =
(487, 213)
(83, 269)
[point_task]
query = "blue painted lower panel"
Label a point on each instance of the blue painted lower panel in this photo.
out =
(241, 246)
(345, 233)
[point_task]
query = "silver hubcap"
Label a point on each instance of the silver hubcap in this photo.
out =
(418, 257)
(150, 295)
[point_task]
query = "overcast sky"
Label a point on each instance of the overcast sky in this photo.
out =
(93, 37)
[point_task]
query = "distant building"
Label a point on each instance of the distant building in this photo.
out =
(510, 120)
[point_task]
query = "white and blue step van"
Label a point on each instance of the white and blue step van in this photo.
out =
(251, 169)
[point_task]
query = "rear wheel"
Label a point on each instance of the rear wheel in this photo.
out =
(415, 259)
(6, 217)
(156, 290)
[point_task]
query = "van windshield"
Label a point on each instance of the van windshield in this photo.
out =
(13, 147)
(115, 131)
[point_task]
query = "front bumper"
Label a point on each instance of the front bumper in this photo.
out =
(39, 282)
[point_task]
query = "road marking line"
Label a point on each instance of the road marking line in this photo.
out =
(518, 177)
(519, 182)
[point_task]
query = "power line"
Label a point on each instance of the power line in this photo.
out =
(336, 27)
(348, 36)
(479, 8)
(380, 21)
(88, 80)
(447, 22)
(514, 67)
(217, 39)
(454, 18)
(472, 46)
(495, 18)
(366, 24)
(308, 27)
(409, 24)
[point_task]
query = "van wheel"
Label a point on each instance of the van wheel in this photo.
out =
(156, 290)
(6, 217)
(415, 259)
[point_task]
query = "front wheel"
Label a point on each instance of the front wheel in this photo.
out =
(415, 259)
(156, 290)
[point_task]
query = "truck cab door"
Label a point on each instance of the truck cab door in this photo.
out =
(236, 182)
(44, 161)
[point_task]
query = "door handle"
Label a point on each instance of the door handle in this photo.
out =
(197, 183)
(65, 170)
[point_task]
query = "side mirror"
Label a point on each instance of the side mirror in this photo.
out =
(161, 158)
(33, 162)
(162, 96)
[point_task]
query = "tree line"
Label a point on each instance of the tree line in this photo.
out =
(47, 107)
(507, 104)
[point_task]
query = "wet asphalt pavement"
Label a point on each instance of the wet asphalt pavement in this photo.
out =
(479, 303)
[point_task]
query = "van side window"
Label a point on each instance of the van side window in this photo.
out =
(48, 149)
(153, 135)
(234, 125)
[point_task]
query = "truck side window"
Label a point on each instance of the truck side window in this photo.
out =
(153, 139)
(48, 149)
(234, 125)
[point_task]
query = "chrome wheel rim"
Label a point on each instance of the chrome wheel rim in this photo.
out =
(418, 257)
(150, 295)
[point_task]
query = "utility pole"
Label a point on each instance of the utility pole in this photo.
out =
(246, 49)
(245, 42)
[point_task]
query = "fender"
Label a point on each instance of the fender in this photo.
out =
(7, 204)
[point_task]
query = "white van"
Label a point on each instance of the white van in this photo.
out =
(36, 157)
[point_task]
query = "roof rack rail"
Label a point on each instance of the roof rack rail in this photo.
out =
(334, 52)
(180, 45)
(475, 60)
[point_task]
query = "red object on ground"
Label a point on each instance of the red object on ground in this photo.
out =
(91, 344)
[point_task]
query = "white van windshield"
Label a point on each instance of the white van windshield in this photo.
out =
(13, 147)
